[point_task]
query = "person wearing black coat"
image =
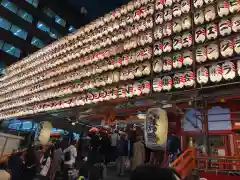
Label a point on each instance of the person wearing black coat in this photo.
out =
(122, 154)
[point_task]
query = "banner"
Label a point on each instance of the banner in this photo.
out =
(156, 129)
(214, 176)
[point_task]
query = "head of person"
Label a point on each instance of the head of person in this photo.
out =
(153, 172)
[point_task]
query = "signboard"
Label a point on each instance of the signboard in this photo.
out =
(214, 176)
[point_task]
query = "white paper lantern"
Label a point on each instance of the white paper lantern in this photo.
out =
(177, 42)
(168, 3)
(229, 70)
(202, 75)
(234, 6)
(158, 48)
(185, 6)
(189, 79)
(223, 8)
(238, 67)
(186, 22)
(122, 91)
(146, 87)
(146, 68)
(158, 32)
(237, 44)
(177, 10)
(226, 48)
(178, 81)
(167, 16)
(187, 39)
(215, 72)
(177, 60)
(177, 25)
(157, 65)
(167, 29)
(157, 84)
(187, 58)
(167, 45)
(211, 31)
(225, 27)
(210, 13)
(236, 23)
(166, 83)
(149, 22)
(138, 70)
(200, 35)
(159, 4)
(137, 89)
(212, 51)
(201, 54)
(159, 17)
(129, 92)
(167, 63)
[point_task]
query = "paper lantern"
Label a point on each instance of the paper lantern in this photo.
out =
(208, 1)
(210, 13)
(215, 73)
(167, 63)
(146, 68)
(137, 89)
(167, 29)
(146, 87)
(157, 65)
(235, 23)
(168, 3)
(186, 22)
(200, 35)
(185, 6)
(212, 51)
(226, 48)
(159, 4)
(187, 39)
(202, 75)
(167, 83)
(149, 22)
(45, 132)
(177, 60)
(189, 79)
(237, 44)
(225, 27)
(177, 10)
(159, 17)
(129, 92)
(234, 6)
(158, 48)
(228, 70)
(167, 16)
(157, 84)
(238, 67)
(178, 81)
(177, 42)
(177, 25)
(187, 58)
(167, 45)
(211, 31)
(158, 32)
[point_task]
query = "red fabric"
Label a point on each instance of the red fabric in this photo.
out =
(214, 176)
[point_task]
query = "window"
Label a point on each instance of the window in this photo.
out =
(24, 15)
(17, 31)
(10, 49)
(1, 44)
(54, 34)
(49, 12)
(5, 24)
(37, 42)
(9, 5)
(60, 21)
(71, 29)
(43, 27)
(33, 2)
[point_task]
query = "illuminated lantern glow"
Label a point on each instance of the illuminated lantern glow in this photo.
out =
(158, 32)
(237, 44)
(226, 48)
(167, 45)
(137, 89)
(159, 17)
(187, 39)
(236, 23)
(189, 79)
(229, 70)
(212, 51)
(177, 10)
(167, 16)
(157, 65)
(177, 60)
(167, 63)
(215, 72)
(202, 75)
(157, 85)
(187, 58)
(211, 31)
(178, 81)
(158, 48)
(185, 6)
(167, 83)
(199, 17)
(186, 22)
(167, 29)
(225, 27)
(210, 13)
(200, 35)
(177, 42)
(177, 25)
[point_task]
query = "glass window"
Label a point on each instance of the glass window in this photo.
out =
(1, 44)
(10, 49)
(37, 42)
(24, 15)
(49, 12)
(60, 21)
(33, 2)
(43, 27)
(71, 29)
(9, 5)
(17, 31)
(54, 34)
(5, 24)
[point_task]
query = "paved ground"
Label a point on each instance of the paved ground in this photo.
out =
(112, 175)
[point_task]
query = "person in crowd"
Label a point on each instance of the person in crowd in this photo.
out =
(105, 146)
(153, 172)
(56, 168)
(4, 175)
(45, 164)
(122, 153)
(114, 144)
(138, 153)
(15, 165)
(69, 160)
(94, 149)
(30, 164)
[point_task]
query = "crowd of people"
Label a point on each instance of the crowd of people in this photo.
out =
(68, 160)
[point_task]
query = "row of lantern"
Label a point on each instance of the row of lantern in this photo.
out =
(86, 33)
(223, 7)
(177, 81)
(184, 5)
(218, 72)
(128, 32)
(175, 26)
(138, 88)
(96, 68)
(223, 28)
(213, 51)
(129, 72)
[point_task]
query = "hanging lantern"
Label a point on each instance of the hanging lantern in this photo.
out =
(237, 44)
(202, 75)
(187, 39)
(185, 6)
(187, 58)
(177, 10)
(211, 31)
(146, 68)
(226, 48)
(157, 85)
(167, 16)
(212, 51)
(177, 25)
(157, 65)
(225, 27)
(159, 17)
(210, 13)
(167, 63)
(45, 132)
(167, 45)
(158, 48)
(159, 4)
(223, 8)
(168, 3)
(177, 42)
(178, 81)
(200, 35)
(177, 60)
(189, 79)
(167, 83)
(238, 67)
(167, 29)
(201, 54)
(229, 70)
(235, 23)
(137, 89)
(199, 17)
(146, 87)
(215, 72)
(234, 6)
(158, 32)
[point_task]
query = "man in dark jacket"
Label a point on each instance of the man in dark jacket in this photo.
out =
(122, 154)
(15, 165)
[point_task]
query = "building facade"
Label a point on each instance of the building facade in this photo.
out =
(29, 25)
